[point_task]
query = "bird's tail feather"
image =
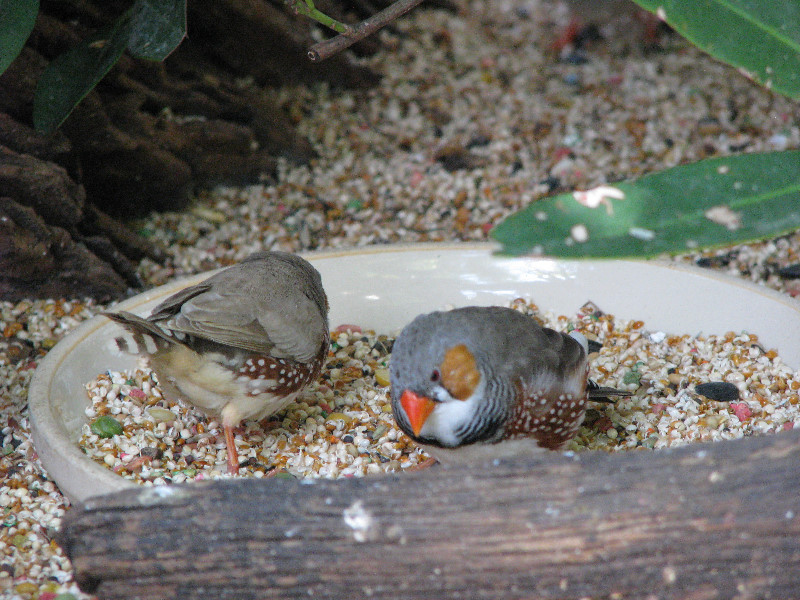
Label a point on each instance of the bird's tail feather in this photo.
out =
(599, 393)
(145, 336)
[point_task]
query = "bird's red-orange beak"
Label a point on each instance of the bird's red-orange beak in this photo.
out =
(418, 409)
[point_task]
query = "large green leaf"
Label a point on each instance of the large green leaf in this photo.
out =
(760, 37)
(17, 18)
(715, 202)
(150, 28)
(71, 76)
(158, 26)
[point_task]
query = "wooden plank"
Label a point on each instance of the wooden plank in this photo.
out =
(703, 521)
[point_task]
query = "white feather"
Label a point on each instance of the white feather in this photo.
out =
(451, 414)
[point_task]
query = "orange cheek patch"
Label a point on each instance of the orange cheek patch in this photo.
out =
(459, 372)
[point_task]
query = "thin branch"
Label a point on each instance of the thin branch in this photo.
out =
(328, 48)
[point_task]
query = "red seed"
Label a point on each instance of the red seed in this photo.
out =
(137, 463)
(742, 411)
(137, 393)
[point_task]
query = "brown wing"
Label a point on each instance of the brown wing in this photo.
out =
(172, 305)
(266, 306)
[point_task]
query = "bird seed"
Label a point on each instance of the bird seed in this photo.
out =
(342, 424)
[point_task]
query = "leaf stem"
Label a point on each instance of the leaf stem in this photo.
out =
(308, 9)
(328, 48)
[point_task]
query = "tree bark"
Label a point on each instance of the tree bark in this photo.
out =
(42, 243)
(149, 134)
(703, 522)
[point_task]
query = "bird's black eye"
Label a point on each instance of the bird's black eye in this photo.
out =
(435, 375)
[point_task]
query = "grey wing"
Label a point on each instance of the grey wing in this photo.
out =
(570, 353)
(547, 354)
(562, 358)
(280, 321)
(224, 317)
(202, 311)
(172, 305)
(297, 333)
(271, 302)
(562, 365)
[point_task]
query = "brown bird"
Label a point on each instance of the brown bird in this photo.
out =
(481, 375)
(240, 345)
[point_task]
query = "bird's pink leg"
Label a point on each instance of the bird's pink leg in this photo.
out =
(230, 446)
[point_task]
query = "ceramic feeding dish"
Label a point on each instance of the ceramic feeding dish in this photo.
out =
(382, 288)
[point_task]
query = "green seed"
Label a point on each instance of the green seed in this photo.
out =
(650, 441)
(379, 431)
(106, 426)
(632, 377)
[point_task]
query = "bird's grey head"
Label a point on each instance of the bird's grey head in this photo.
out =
(437, 383)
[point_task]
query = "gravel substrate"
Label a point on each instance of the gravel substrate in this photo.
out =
(474, 118)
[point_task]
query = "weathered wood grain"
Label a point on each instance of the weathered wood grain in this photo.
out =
(702, 522)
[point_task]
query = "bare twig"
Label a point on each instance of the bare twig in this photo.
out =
(328, 48)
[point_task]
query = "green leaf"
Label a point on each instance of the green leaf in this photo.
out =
(762, 38)
(158, 27)
(106, 426)
(150, 28)
(17, 18)
(715, 202)
(67, 79)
